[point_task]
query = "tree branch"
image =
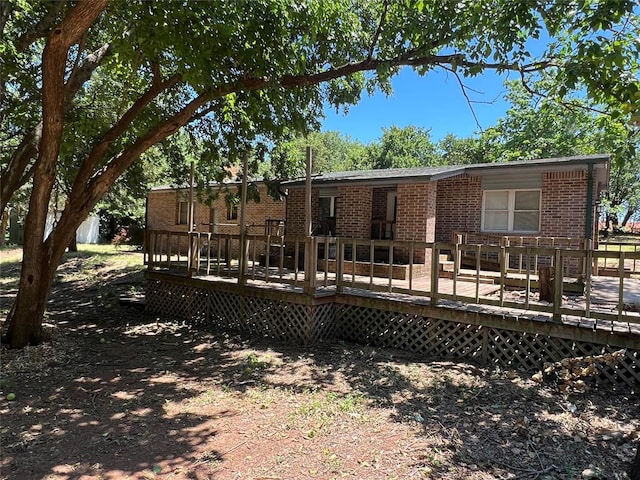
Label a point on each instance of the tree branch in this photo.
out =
(42, 28)
(376, 35)
(463, 88)
(16, 173)
(100, 149)
(569, 105)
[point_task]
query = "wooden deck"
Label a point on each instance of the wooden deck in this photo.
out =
(495, 317)
(491, 334)
(461, 294)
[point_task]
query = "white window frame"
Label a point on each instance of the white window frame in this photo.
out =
(511, 209)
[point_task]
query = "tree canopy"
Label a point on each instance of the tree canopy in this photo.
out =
(117, 78)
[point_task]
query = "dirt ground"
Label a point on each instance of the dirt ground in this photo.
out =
(117, 393)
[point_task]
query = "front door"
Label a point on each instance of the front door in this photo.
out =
(392, 207)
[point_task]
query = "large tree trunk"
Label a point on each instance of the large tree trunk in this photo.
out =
(41, 257)
(73, 244)
(24, 323)
(4, 222)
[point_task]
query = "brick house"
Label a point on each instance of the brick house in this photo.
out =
(168, 209)
(555, 197)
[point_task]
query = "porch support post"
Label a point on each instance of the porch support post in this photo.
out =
(309, 250)
(242, 261)
(307, 194)
(588, 234)
(190, 216)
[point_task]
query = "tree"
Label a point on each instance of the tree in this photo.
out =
(535, 127)
(403, 147)
(332, 152)
(244, 74)
(460, 151)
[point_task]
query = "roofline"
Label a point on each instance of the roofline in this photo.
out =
(549, 164)
(160, 188)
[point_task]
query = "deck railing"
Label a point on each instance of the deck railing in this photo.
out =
(314, 263)
(630, 262)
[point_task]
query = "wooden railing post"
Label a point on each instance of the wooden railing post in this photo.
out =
(587, 277)
(621, 284)
(503, 259)
(435, 253)
(339, 264)
(151, 248)
(310, 261)
(243, 254)
(557, 284)
(189, 253)
(457, 259)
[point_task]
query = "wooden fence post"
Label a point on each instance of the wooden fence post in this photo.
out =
(558, 279)
(434, 274)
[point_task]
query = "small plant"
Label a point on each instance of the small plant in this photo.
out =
(255, 363)
(352, 402)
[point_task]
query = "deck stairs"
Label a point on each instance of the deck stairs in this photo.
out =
(447, 267)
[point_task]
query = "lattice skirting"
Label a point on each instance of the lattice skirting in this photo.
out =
(435, 338)
(503, 348)
(302, 324)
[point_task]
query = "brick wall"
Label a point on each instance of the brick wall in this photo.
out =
(563, 205)
(416, 218)
(353, 215)
(353, 211)
(459, 206)
(295, 211)
(564, 197)
(162, 212)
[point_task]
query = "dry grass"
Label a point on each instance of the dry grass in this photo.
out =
(118, 393)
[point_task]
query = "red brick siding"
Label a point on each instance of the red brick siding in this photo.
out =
(295, 211)
(353, 211)
(564, 200)
(563, 205)
(459, 206)
(162, 212)
(416, 217)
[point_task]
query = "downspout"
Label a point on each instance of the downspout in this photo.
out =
(589, 220)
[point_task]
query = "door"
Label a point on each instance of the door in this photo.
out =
(392, 208)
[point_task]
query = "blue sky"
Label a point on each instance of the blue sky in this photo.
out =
(434, 102)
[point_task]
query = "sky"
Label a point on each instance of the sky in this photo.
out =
(434, 101)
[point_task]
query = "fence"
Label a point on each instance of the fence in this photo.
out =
(314, 263)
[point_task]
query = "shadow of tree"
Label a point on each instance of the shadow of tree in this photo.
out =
(135, 395)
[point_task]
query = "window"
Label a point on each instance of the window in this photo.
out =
(511, 211)
(232, 211)
(183, 213)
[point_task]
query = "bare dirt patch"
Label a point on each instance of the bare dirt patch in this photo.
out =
(118, 393)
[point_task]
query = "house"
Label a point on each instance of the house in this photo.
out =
(554, 197)
(168, 210)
